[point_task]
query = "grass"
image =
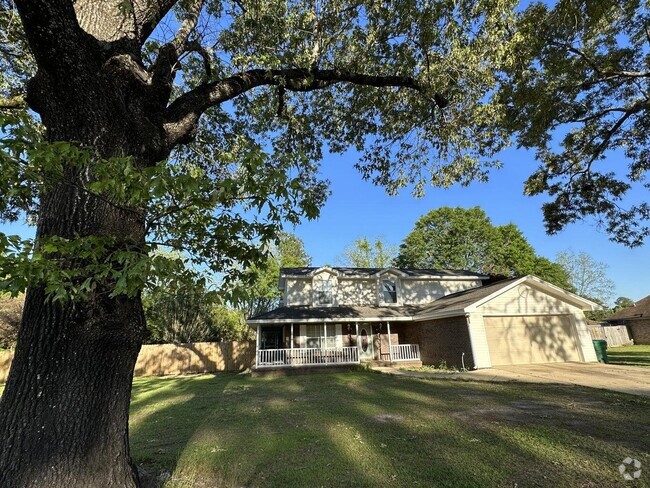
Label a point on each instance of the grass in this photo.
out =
(638, 355)
(364, 429)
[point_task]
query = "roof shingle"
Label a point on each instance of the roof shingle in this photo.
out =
(366, 272)
(639, 310)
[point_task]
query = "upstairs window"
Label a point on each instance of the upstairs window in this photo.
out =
(323, 292)
(389, 291)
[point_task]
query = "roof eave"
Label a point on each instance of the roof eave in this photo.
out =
(338, 320)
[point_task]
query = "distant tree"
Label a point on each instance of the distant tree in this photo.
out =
(621, 303)
(364, 253)
(177, 306)
(459, 238)
(454, 238)
(229, 324)
(599, 315)
(290, 251)
(257, 292)
(510, 254)
(588, 276)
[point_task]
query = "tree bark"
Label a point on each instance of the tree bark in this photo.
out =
(64, 412)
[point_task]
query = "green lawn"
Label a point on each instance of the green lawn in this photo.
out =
(370, 430)
(629, 355)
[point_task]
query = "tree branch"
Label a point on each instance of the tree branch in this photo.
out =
(609, 133)
(196, 47)
(166, 64)
(183, 114)
(12, 103)
(148, 13)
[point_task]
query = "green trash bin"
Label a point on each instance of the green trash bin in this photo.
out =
(600, 346)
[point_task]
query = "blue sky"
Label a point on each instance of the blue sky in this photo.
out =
(357, 208)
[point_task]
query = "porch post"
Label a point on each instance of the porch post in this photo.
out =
(390, 344)
(291, 335)
(325, 332)
(356, 331)
(257, 345)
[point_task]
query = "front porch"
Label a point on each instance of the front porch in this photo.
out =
(329, 344)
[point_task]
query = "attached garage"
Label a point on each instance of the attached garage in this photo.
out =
(531, 339)
(519, 321)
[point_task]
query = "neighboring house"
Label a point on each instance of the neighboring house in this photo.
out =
(333, 316)
(637, 319)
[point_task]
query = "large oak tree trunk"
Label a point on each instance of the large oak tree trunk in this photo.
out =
(64, 412)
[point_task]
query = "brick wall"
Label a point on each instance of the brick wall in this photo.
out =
(440, 340)
(639, 331)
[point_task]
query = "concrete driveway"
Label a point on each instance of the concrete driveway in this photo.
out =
(625, 379)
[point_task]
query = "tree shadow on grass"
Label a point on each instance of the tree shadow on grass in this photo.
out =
(369, 430)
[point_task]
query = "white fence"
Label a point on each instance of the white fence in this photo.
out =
(405, 352)
(615, 335)
(307, 356)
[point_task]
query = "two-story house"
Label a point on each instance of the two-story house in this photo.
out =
(336, 316)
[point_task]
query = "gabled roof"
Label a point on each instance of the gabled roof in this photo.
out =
(469, 300)
(309, 271)
(640, 310)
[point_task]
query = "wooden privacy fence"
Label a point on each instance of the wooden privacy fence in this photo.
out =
(615, 335)
(161, 359)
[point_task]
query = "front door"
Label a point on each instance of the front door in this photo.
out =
(364, 342)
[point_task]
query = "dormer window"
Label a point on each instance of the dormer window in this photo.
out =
(323, 292)
(389, 291)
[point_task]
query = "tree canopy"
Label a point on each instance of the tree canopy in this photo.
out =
(588, 276)
(258, 291)
(281, 80)
(367, 253)
(622, 302)
(576, 91)
(459, 238)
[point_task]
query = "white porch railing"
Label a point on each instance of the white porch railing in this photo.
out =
(306, 356)
(405, 352)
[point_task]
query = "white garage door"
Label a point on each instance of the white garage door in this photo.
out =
(530, 339)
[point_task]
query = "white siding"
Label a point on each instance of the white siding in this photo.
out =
(356, 292)
(585, 343)
(299, 292)
(526, 300)
(418, 292)
(478, 338)
(367, 292)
